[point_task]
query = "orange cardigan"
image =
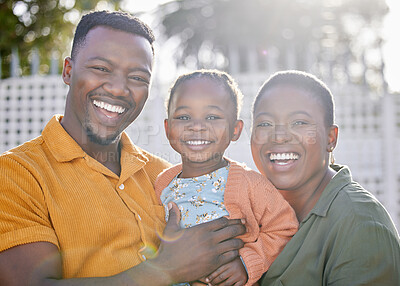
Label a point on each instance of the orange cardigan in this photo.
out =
(270, 221)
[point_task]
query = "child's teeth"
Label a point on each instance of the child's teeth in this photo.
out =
(197, 142)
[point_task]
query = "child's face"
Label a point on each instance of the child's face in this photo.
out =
(201, 121)
(290, 140)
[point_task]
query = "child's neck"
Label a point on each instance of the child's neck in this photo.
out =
(194, 169)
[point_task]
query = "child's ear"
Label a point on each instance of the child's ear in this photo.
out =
(332, 137)
(166, 128)
(67, 70)
(238, 130)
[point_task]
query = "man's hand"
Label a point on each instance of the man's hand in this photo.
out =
(232, 273)
(189, 254)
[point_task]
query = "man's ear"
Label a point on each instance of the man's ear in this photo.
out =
(67, 70)
(332, 137)
(238, 130)
(166, 128)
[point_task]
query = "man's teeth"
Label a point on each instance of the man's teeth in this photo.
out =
(284, 156)
(198, 142)
(109, 107)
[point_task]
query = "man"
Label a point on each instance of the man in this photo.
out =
(78, 201)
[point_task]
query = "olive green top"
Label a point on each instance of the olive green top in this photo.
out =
(348, 238)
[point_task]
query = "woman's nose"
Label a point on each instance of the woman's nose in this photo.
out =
(281, 134)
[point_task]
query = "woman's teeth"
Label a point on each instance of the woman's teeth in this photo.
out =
(283, 156)
(109, 107)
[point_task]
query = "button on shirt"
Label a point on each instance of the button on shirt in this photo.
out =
(52, 191)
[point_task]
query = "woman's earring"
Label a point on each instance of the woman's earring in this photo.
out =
(331, 157)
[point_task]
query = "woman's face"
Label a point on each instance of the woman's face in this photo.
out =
(290, 140)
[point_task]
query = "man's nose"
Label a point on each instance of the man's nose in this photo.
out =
(117, 86)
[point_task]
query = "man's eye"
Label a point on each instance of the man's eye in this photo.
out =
(138, 78)
(103, 69)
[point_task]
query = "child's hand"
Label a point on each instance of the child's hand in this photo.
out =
(232, 273)
(198, 283)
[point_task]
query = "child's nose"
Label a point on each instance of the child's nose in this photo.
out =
(197, 125)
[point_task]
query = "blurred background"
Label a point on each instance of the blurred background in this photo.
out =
(352, 45)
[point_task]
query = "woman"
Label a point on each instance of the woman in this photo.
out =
(345, 236)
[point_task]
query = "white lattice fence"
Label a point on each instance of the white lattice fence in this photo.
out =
(369, 136)
(26, 104)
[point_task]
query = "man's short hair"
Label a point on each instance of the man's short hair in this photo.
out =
(115, 20)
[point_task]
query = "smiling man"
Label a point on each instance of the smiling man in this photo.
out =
(77, 203)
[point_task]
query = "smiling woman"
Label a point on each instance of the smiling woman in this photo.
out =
(345, 236)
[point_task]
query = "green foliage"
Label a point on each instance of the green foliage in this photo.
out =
(335, 30)
(47, 25)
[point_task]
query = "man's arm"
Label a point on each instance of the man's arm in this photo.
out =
(184, 255)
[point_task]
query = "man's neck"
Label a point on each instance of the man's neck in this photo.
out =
(108, 155)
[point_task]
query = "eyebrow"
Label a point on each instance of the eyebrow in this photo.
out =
(291, 113)
(111, 63)
(209, 106)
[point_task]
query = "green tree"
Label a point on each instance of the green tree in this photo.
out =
(44, 25)
(342, 37)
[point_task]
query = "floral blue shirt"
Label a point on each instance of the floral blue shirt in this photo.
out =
(200, 199)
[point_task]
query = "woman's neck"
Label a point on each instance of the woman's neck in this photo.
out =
(303, 200)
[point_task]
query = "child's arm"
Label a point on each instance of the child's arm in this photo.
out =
(271, 223)
(232, 273)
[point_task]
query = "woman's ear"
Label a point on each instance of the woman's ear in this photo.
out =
(332, 137)
(67, 70)
(238, 130)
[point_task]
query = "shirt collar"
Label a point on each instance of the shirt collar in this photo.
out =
(64, 148)
(339, 180)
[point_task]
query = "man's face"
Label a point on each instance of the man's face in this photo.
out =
(109, 83)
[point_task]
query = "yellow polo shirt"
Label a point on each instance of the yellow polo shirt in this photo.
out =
(51, 190)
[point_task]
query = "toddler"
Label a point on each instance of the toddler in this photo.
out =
(203, 108)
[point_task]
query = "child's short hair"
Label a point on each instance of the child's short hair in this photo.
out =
(217, 76)
(116, 20)
(306, 82)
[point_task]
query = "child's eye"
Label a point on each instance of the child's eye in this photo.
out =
(182, 117)
(264, 124)
(299, 123)
(212, 117)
